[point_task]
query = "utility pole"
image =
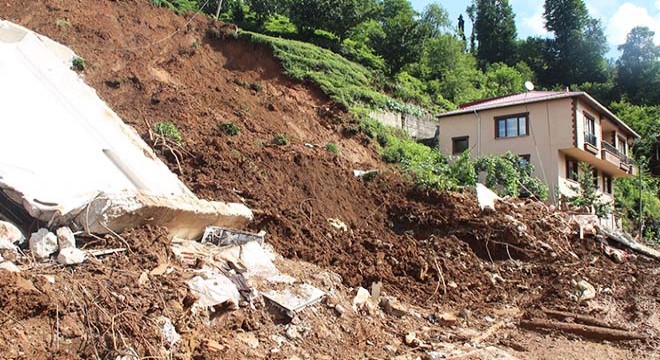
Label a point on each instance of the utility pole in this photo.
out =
(217, 13)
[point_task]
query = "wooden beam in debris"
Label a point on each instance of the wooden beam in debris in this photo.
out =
(625, 240)
(587, 331)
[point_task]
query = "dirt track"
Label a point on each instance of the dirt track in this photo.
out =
(397, 235)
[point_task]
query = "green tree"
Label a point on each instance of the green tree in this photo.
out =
(433, 21)
(586, 195)
(638, 68)
(576, 54)
(402, 43)
(645, 120)
(335, 16)
(263, 9)
(502, 80)
(495, 30)
(629, 192)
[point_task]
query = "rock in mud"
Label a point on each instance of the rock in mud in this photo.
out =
(11, 233)
(71, 256)
(43, 243)
(65, 238)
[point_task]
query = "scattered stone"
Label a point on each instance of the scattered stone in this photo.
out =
(338, 224)
(376, 289)
(248, 339)
(43, 243)
(9, 266)
(465, 314)
(159, 270)
(412, 340)
(448, 319)
(169, 331)
(65, 238)
(393, 307)
(213, 345)
(143, 279)
(292, 333)
(586, 291)
(452, 284)
(71, 256)
(390, 348)
(361, 298)
(11, 233)
(340, 310)
(278, 339)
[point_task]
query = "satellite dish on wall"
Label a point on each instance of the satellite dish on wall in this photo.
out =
(529, 85)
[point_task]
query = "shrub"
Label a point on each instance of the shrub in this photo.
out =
(586, 193)
(168, 131)
(509, 175)
(280, 139)
(256, 87)
(78, 63)
(230, 129)
(332, 147)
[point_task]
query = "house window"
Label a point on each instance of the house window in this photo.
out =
(460, 144)
(590, 130)
(622, 145)
(607, 184)
(511, 126)
(571, 169)
(525, 159)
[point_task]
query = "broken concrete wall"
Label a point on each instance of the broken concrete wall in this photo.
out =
(65, 153)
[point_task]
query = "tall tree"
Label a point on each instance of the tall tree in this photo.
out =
(638, 68)
(577, 51)
(335, 16)
(495, 30)
(402, 44)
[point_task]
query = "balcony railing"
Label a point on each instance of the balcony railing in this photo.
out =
(609, 147)
(591, 139)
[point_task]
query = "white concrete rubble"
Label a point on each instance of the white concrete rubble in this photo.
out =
(169, 331)
(121, 183)
(11, 233)
(9, 266)
(43, 243)
(486, 197)
(65, 238)
(71, 256)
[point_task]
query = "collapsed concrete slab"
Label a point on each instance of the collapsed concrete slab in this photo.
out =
(68, 159)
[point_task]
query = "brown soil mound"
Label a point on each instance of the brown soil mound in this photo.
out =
(151, 65)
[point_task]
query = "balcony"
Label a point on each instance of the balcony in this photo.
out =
(591, 143)
(614, 156)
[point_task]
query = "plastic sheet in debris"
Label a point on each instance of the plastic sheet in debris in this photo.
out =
(213, 288)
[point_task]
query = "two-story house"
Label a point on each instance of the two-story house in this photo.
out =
(554, 130)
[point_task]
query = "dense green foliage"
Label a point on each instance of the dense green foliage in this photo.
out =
(511, 176)
(495, 31)
(629, 192)
(586, 195)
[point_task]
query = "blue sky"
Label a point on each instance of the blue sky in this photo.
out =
(617, 16)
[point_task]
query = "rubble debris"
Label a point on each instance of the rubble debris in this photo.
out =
(361, 298)
(617, 255)
(103, 252)
(585, 291)
(448, 319)
(159, 270)
(249, 339)
(10, 233)
(587, 331)
(65, 237)
(9, 266)
(411, 340)
(43, 243)
(376, 289)
(71, 256)
(169, 331)
(339, 309)
(221, 236)
(295, 299)
(393, 307)
(486, 197)
(212, 288)
(626, 240)
(364, 173)
(338, 224)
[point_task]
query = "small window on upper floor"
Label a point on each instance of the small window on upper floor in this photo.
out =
(621, 146)
(460, 144)
(511, 126)
(594, 174)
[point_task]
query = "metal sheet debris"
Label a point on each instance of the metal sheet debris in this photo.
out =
(220, 236)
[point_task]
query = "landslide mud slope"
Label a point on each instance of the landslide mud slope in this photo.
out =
(151, 65)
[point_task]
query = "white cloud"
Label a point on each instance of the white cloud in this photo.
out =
(534, 24)
(626, 17)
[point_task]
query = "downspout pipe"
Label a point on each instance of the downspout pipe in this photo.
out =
(478, 132)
